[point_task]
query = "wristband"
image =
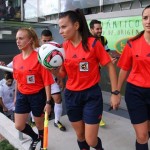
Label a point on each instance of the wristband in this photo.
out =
(116, 92)
(49, 102)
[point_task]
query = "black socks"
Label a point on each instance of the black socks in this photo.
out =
(29, 131)
(41, 132)
(99, 145)
(141, 146)
(83, 145)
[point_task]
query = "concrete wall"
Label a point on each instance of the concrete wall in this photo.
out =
(116, 14)
(7, 130)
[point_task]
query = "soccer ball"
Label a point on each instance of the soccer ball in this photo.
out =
(51, 55)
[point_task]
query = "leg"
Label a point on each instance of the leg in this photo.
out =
(79, 128)
(92, 115)
(139, 113)
(39, 121)
(20, 121)
(141, 132)
(22, 110)
(149, 128)
(57, 107)
(31, 120)
(58, 111)
(141, 135)
(85, 105)
(91, 133)
(37, 103)
(20, 124)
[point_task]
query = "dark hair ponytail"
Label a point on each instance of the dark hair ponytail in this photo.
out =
(137, 36)
(83, 29)
(78, 16)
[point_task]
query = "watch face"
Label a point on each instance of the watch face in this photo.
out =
(115, 92)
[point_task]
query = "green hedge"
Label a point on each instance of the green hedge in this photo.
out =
(5, 145)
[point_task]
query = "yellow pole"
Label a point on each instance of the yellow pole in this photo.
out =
(45, 139)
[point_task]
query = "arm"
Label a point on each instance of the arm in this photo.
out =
(125, 64)
(1, 99)
(2, 104)
(61, 83)
(10, 65)
(48, 92)
(122, 77)
(112, 76)
(48, 99)
(113, 59)
(62, 74)
(115, 99)
(15, 94)
(59, 72)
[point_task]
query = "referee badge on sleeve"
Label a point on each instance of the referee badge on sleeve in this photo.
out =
(84, 66)
(30, 79)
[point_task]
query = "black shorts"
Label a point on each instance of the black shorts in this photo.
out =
(31, 102)
(86, 105)
(138, 103)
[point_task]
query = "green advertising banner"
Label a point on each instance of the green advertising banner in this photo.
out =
(118, 30)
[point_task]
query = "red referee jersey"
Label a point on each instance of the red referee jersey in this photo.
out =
(83, 67)
(136, 56)
(31, 76)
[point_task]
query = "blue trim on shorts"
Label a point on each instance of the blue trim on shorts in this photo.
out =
(86, 105)
(31, 102)
(138, 103)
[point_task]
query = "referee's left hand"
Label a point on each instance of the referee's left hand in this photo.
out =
(115, 101)
(47, 108)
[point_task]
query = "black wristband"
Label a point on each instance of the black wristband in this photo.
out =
(116, 92)
(49, 102)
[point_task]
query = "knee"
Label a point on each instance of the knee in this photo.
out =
(57, 101)
(39, 125)
(91, 142)
(143, 138)
(19, 127)
(81, 136)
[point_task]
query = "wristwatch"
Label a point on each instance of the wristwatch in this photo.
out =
(49, 102)
(116, 92)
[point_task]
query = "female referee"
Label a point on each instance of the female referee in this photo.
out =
(32, 86)
(83, 95)
(135, 60)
